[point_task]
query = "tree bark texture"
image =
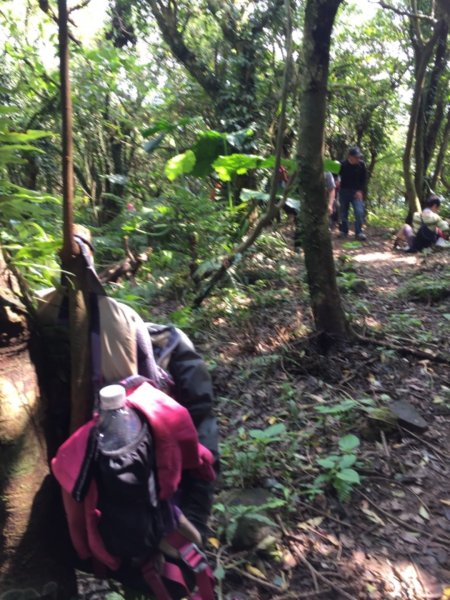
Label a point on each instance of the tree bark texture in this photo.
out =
(31, 516)
(325, 299)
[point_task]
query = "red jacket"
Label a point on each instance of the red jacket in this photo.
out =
(176, 447)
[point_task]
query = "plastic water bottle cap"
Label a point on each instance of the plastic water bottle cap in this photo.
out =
(112, 397)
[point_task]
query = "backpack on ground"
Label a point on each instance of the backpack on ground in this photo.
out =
(424, 238)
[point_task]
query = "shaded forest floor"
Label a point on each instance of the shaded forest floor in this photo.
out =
(278, 532)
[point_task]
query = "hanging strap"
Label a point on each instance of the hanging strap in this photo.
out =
(94, 284)
(193, 558)
(95, 289)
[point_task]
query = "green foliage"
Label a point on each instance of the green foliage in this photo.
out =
(265, 298)
(351, 282)
(26, 216)
(427, 287)
(213, 151)
(252, 455)
(341, 408)
(334, 166)
(180, 164)
(401, 322)
(337, 469)
(366, 112)
(390, 216)
(230, 515)
(210, 146)
(345, 412)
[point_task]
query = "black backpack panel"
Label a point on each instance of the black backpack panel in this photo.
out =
(131, 523)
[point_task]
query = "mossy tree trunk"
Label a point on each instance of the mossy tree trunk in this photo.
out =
(31, 518)
(325, 299)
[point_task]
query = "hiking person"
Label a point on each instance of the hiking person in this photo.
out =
(330, 186)
(333, 206)
(426, 230)
(122, 352)
(166, 356)
(353, 176)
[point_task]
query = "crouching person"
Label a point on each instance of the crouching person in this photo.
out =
(426, 230)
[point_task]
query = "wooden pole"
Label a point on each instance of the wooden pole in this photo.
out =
(72, 262)
(69, 246)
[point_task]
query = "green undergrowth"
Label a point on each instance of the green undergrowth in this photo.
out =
(430, 287)
(304, 446)
(390, 217)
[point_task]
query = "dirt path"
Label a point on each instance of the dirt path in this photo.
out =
(391, 538)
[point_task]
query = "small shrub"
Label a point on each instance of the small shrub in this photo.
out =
(425, 288)
(337, 469)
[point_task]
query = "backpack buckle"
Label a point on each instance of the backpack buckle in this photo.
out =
(193, 557)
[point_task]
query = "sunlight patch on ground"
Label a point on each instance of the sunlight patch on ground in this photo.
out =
(385, 257)
(403, 579)
(373, 323)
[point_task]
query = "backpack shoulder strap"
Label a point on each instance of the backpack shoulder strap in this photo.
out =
(193, 559)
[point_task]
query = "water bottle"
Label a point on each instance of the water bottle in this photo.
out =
(119, 425)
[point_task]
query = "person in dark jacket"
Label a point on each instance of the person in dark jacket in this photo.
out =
(353, 175)
(175, 353)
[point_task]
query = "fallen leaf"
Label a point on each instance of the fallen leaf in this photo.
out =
(214, 542)
(279, 581)
(372, 515)
(423, 512)
(255, 571)
(315, 522)
(288, 560)
(219, 573)
(266, 543)
(409, 537)
(438, 400)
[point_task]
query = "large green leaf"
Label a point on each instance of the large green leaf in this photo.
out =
(270, 433)
(348, 442)
(208, 147)
(238, 138)
(181, 164)
(13, 137)
(348, 475)
(247, 195)
(227, 166)
(333, 166)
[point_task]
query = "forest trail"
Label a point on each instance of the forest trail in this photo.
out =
(390, 539)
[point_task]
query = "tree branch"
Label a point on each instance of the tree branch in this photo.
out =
(166, 17)
(265, 17)
(228, 24)
(406, 13)
(82, 4)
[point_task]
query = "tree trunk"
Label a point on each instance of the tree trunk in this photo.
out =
(33, 549)
(418, 147)
(327, 310)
